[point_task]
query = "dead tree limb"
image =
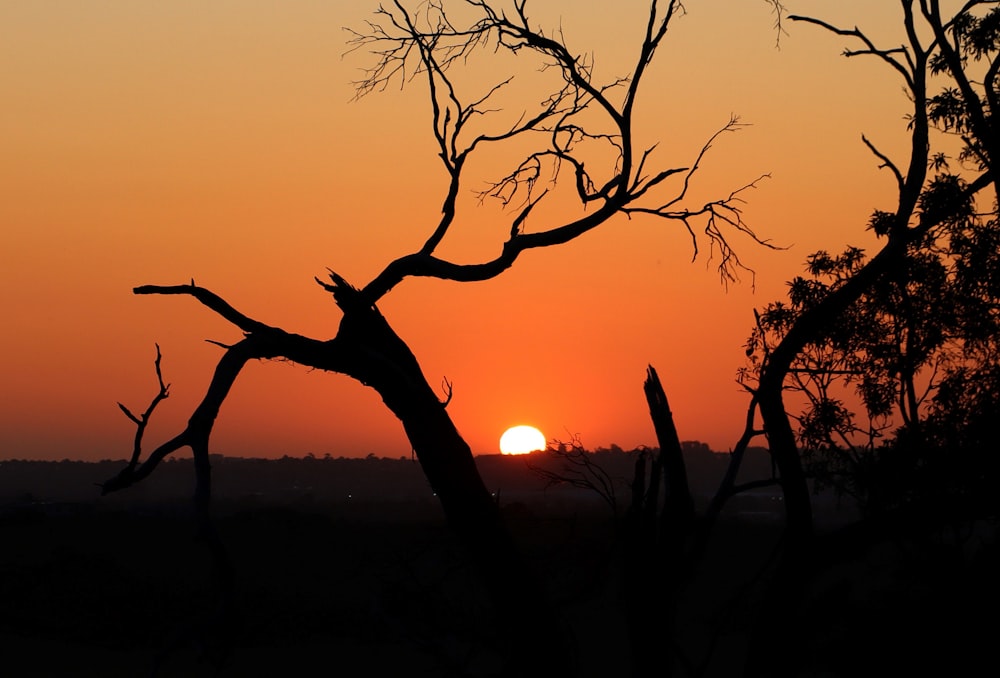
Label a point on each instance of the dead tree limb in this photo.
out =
(142, 420)
(678, 506)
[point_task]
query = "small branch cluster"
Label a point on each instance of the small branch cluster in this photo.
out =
(576, 467)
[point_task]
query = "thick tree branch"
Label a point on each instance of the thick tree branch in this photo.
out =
(419, 265)
(209, 299)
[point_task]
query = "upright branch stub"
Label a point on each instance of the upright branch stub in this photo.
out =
(577, 131)
(347, 296)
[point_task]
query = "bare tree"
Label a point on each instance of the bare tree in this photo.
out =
(579, 135)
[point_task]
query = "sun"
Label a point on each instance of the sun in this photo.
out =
(521, 440)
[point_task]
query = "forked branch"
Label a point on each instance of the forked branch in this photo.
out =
(199, 428)
(260, 341)
(887, 55)
(142, 420)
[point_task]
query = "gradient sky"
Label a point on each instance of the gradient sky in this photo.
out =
(152, 142)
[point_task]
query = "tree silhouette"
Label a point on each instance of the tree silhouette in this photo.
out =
(578, 139)
(919, 344)
(911, 328)
(823, 332)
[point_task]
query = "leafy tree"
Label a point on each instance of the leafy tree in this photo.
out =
(890, 325)
(573, 136)
(880, 348)
(911, 329)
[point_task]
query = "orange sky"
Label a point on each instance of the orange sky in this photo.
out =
(150, 142)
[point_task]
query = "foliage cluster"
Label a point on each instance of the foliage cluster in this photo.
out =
(898, 395)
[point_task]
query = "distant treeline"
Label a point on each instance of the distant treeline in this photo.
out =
(332, 479)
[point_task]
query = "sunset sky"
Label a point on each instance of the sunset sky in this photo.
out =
(159, 142)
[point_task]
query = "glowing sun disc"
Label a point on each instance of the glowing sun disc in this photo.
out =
(521, 440)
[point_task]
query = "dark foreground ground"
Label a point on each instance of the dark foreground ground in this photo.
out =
(376, 587)
(362, 591)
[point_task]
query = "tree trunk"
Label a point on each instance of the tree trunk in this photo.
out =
(368, 350)
(774, 648)
(656, 546)
(531, 637)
